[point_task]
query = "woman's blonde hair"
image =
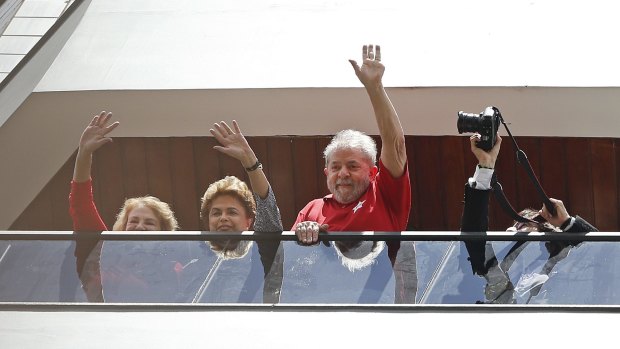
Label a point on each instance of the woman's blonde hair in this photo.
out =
(229, 185)
(162, 211)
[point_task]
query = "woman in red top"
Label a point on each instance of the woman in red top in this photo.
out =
(145, 213)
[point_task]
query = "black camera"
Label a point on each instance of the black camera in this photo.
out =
(486, 124)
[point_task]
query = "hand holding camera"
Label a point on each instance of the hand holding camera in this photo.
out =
(486, 159)
(486, 124)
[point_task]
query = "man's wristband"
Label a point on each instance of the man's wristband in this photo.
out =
(254, 167)
(488, 168)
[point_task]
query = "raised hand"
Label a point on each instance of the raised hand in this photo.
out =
(233, 143)
(485, 158)
(371, 71)
(95, 134)
(561, 213)
(93, 137)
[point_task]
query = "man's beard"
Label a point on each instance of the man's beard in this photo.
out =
(358, 190)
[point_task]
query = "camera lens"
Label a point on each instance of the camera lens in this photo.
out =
(468, 122)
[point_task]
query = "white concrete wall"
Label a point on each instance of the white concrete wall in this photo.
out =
(191, 328)
(197, 44)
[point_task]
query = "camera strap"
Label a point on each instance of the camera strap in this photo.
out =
(498, 191)
(525, 163)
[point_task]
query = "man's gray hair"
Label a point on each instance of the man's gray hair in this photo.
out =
(352, 139)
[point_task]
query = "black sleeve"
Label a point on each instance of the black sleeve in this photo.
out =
(476, 210)
(476, 219)
(581, 226)
(272, 259)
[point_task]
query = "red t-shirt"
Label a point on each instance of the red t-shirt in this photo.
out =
(384, 207)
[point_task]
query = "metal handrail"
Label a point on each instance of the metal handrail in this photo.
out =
(290, 236)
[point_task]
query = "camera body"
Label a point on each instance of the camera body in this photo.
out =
(486, 124)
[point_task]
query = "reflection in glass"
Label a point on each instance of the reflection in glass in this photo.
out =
(353, 272)
(180, 271)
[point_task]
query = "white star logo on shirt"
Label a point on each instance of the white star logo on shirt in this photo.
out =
(358, 206)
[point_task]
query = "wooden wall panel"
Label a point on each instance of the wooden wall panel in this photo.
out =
(429, 186)
(604, 185)
(583, 173)
(186, 199)
(580, 200)
(158, 175)
(134, 167)
(280, 161)
(617, 151)
(552, 173)
(452, 163)
(305, 169)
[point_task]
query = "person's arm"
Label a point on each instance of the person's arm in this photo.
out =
(393, 150)
(475, 216)
(486, 163)
(234, 144)
(93, 137)
(268, 217)
(565, 221)
(82, 207)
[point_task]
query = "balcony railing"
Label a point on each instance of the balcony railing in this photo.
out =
(352, 268)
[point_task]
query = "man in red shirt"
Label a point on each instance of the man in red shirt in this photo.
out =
(363, 197)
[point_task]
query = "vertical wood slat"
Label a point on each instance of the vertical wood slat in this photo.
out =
(134, 167)
(158, 169)
(428, 183)
(580, 199)
(553, 168)
(280, 161)
(185, 202)
(452, 164)
(304, 172)
(617, 175)
(604, 185)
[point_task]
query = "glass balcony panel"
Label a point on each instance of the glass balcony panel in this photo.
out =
(333, 272)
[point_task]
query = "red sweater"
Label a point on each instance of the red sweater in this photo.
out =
(82, 208)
